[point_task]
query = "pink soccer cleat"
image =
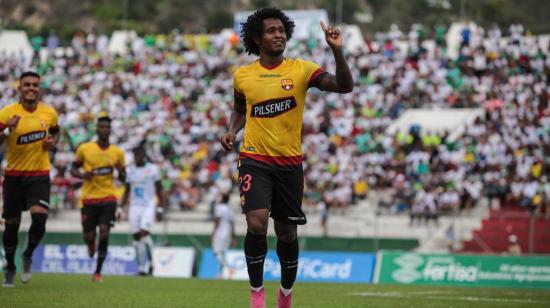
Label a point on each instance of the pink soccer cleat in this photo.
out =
(257, 298)
(284, 301)
(97, 277)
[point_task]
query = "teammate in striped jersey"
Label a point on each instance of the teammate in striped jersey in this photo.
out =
(29, 128)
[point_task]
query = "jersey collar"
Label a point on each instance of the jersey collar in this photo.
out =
(272, 67)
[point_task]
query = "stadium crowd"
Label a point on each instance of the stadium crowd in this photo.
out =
(175, 95)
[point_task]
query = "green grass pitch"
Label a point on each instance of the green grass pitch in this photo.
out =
(67, 290)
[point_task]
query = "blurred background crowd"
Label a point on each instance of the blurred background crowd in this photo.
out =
(175, 94)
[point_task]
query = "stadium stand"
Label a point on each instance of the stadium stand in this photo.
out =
(531, 234)
(174, 92)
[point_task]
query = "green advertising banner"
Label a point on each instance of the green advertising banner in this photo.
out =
(475, 270)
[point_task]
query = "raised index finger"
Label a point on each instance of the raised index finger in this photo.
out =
(323, 26)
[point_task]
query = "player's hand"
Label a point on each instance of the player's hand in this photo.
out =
(333, 36)
(159, 214)
(88, 175)
(48, 144)
(121, 173)
(227, 141)
(12, 123)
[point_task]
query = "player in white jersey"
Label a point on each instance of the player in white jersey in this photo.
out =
(224, 231)
(144, 192)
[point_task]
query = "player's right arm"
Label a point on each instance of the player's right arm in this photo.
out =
(233, 235)
(8, 123)
(77, 165)
(236, 123)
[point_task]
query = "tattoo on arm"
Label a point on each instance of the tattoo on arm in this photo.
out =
(316, 82)
(342, 81)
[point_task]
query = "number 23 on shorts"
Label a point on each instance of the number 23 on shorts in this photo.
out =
(244, 182)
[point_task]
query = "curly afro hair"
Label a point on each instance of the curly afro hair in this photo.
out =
(253, 27)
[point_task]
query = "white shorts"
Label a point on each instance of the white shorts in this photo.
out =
(141, 218)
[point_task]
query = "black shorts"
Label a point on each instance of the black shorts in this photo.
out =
(20, 193)
(93, 215)
(277, 188)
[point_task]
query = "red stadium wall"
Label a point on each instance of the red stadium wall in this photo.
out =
(533, 234)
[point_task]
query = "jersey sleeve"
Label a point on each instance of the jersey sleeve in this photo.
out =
(238, 94)
(311, 71)
(5, 115)
(54, 126)
(79, 157)
(121, 160)
(237, 85)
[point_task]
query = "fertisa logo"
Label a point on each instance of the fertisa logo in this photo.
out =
(407, 272)
(413, 267)
(448, 269)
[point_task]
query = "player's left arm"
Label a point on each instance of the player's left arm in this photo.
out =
(233, 235)
(216, 221)
(161, 196)
(121, 166)
(342, 81)
(53, 135)
(162, 203)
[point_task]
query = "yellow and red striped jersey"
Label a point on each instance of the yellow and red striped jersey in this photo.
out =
(24, 152)
(102, 162)
(275, 99)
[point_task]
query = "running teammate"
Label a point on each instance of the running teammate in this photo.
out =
(96, 162)
(30, 130)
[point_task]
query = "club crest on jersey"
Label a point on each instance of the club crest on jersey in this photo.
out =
(43, 124)
(287, 84)
(273, 107)
(31, 137)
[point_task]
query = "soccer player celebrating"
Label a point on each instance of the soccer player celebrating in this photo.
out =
(143, 188)
(269, 102)
(98, 160)
(30, 130)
